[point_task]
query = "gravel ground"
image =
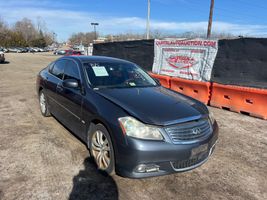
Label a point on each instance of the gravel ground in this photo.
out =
(40, 159)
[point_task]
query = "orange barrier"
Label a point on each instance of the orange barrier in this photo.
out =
(251, 101)
(195, 89)
(164, 80)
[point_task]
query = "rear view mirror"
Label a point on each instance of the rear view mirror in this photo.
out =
(70, 83)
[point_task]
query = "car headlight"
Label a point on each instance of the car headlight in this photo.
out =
(132, 127)
(211, 116)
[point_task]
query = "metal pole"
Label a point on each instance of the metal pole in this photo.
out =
(95, 24)
(148, 20)
(54, 37)
(210, 18)
(95, 31)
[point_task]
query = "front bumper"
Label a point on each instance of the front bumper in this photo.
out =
(163, 156)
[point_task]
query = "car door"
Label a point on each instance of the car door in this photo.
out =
(72, 100)
(53, 80)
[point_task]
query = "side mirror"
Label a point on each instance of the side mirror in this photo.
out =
(157, 81)
(70, 83)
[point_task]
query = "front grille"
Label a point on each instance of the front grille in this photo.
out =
(189, 131)
(190, 162)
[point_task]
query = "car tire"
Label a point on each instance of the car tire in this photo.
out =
(43, 104)
(101, 148)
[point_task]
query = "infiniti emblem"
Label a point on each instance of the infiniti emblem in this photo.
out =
(196, 131)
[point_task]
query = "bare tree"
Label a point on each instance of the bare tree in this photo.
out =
(25, 33)
(26, 28)
(3, 25)
(3, 32)
(157, 34)
(49, 38)
(125, 36)
(41, 25)
(84, 38)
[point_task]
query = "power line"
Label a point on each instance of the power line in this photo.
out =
(229, 13)
(244, 3)
(232, 15)
(248, 3)
(203, 12)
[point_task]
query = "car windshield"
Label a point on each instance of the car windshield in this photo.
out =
(117, 75)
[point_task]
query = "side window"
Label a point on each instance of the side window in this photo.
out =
(71, 71)
(50, 67)
(58, 68)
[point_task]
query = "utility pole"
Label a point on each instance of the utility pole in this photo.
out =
(54, 37)
(210, 18)
(95, 24)
(148, 20)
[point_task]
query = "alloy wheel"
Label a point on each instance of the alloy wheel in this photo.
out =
(42, 102)
(101, 150)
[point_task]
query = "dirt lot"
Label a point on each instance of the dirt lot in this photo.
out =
(40, 159)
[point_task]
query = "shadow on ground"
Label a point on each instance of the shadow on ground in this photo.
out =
(1, 194)
(6, 62)
(93, 184)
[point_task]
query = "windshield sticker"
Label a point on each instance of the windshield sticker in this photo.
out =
(100, 71)
(132, 84)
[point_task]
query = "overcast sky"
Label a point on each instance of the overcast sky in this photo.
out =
(64, 17)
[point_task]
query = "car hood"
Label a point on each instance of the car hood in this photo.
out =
(155, 105)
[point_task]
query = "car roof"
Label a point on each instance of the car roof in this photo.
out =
(85, 59)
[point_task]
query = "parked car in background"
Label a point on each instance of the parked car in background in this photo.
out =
(73, 53)
(25, 49)
(47, 49)
(15, 50)
(36, 49)
(30, 50)
(22, 49)
(3, 49)
(60, 52)
(2, 57)
(132, 125)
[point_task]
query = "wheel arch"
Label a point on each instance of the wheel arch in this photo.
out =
(40, 89)
(93, 123)
(96, 121)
